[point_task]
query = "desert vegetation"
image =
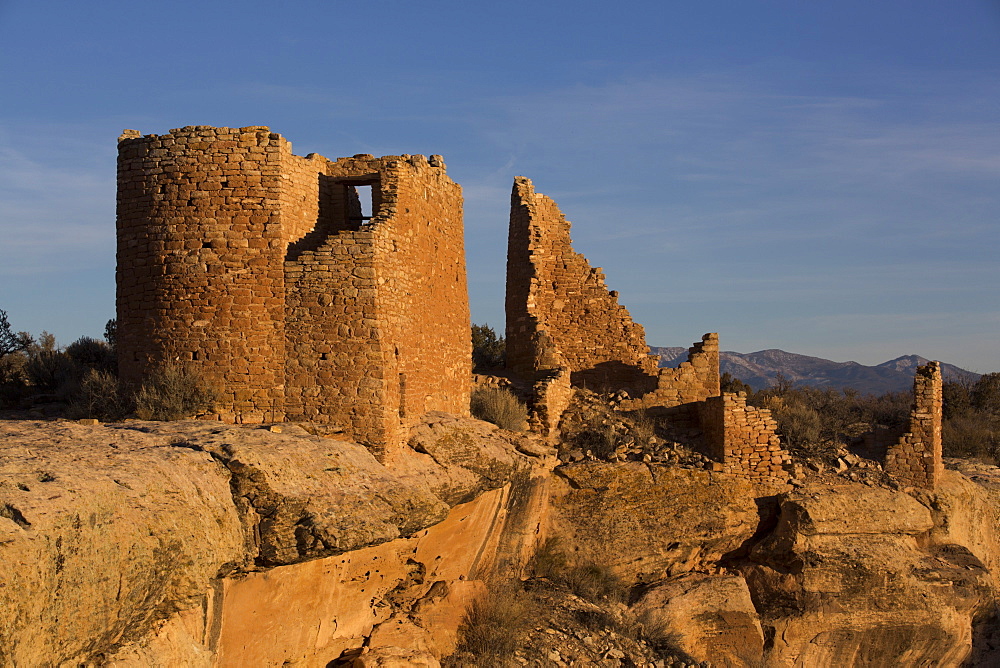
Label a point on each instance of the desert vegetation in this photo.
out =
(81, 380)
(489, 351)
(499, 406)
(496, 625)
(971, 426)
(515, 622)
(816, 422)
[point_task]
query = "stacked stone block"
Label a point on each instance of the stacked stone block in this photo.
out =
(552, 394)
(916, 457)
(553, 289)
(200, 251)
(743, 438)
(256, 266)
(693, 381)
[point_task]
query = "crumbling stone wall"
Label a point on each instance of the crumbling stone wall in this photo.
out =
(561, 317)
(694, 380)
(743, 439)
(916, 457)
(553, 289)
(552, 394)
(258, 267)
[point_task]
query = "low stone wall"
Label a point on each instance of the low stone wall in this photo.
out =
(743, 438)
(695, 380)
(552, 394)
(916, 457)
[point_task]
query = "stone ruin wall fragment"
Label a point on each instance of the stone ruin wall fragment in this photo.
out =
(916, 457)
(253, 265)
(695, 380)
(552, 289)
(743, 439)
(560, 316)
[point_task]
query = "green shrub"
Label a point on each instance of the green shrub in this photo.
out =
(499, 406)
(733, 385)
(92, 354)
(11, 341)
(497, 625)
(488, 350)
(51, 372)
(799, 424)
(172, 392)
(985, 394)
(111, 333)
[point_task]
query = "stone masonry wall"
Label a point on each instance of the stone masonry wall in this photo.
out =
(552, 394)
(916, 457)
(695, 380)
(336, 367)
(257, 267)
(422, 291)
(553, 289)
(200, 251)
(743, 438)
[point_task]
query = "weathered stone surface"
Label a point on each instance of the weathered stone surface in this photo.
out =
(818, 510)
(142, 541)
(847, 577)
(649, 521)
(462, 457)
(106, 531)
(302, 498)
(378, 592)
(711, 618)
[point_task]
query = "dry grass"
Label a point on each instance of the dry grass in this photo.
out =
(590, 581)
(497, 625)
(499, 406)
(172, 393)
(101, 396)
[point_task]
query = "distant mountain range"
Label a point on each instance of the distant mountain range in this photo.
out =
(761, 369)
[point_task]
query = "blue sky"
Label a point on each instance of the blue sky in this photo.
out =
(816, 177)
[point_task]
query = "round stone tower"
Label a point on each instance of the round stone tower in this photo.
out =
(200, 257)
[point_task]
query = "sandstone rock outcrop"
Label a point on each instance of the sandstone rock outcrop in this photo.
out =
(848, 577)
(196, 543)
(647, 522)
(711, 617)
(201, 544)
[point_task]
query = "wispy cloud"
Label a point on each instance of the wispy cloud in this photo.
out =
(53, 217)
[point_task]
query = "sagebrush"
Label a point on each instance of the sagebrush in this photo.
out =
(173, 392)
(499, 406)
(497, 624)
(102, 396)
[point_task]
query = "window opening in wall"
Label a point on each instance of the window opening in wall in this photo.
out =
(365, 199)
(361, 200)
